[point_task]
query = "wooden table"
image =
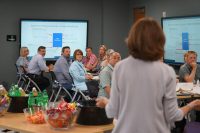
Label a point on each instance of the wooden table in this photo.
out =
(17, 122)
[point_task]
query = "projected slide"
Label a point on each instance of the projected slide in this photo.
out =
(182, 34)
(53, 35)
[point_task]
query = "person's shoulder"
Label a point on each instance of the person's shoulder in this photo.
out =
(168, 70)
(105, 69)
(75, 63)
(123, 63)
(61, 59)
(184, 67)
(37, 56)
(19, 58)
(93, 56)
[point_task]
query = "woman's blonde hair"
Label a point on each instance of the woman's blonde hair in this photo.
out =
(22, 51)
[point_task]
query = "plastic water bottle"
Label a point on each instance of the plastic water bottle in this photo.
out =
(17, 91)
(35, 93)
(22, 92)
(11, 90)
(45, 98)
(16, 86)
(31, 100)
(39, 99)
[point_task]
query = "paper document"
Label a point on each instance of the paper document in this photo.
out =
(95, 78)
(184, 86)
(196, 90)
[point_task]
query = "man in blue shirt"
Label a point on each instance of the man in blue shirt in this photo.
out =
(61, 68)
(36, 66)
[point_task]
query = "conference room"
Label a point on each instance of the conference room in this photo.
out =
(92, 23)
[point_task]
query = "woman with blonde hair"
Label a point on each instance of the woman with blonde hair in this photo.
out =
(22, 62)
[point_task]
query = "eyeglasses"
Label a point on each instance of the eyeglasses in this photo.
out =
(78, 54)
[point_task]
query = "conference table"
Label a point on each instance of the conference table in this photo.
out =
(18, 123)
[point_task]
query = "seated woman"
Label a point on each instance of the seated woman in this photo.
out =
(78, 71)
(23, 61)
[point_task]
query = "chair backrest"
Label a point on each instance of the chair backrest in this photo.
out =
(24, 70)
(72, 80)
(20, 69)
(16, 68)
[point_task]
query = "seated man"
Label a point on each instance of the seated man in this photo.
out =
(190, 71)
(36, 66)
(90, 61)
(106, 75)
(61, 68)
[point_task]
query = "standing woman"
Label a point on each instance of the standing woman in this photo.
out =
(23, 61)
(143, 92)
(78, 71)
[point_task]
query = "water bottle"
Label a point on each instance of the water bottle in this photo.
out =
(35, 93)
(45, 98)
(22, 92)
(39, 99)
(17, 91)
(16, 86)
(31, 100)
(11, 91)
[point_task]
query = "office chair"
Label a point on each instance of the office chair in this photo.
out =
(20, 76)
(56, 89)
(24, 80)
(76, 96)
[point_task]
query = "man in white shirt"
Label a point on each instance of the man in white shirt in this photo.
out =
(36, 66)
